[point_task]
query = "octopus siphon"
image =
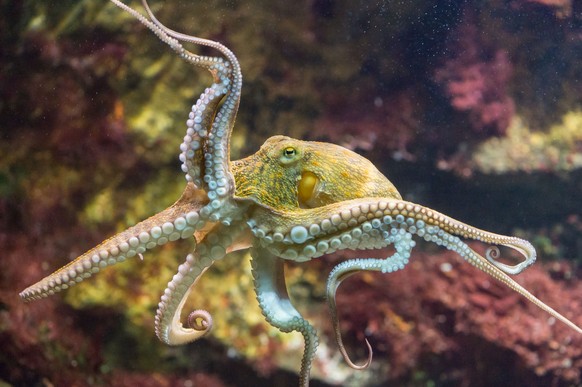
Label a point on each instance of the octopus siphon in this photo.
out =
(292, 200)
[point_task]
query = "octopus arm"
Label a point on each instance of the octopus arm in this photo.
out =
(304, 234)
(403, 244)
(178, 221)
(268, 273)
(205, 152)
(214, 246)
(215, 127)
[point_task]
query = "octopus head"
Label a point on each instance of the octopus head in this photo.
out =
(290, 173)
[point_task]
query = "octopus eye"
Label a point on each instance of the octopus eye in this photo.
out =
(289, 155)
(289, 152)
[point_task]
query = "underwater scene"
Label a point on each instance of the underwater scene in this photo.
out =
(275, 193)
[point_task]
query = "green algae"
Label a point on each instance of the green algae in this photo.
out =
(523, 149)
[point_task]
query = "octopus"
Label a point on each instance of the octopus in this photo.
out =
(290, 201)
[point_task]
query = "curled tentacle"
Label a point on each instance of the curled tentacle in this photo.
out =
(206, 148)
(201, 125)
(178, 221)
(303, 234)
(200, 320)
(268, 273)
(493, 253)
(455, 244)
(170, 41)
(403, 243)
(169, 329)
(168, 326)
(218, 178)
(172, 38)
(337, 275)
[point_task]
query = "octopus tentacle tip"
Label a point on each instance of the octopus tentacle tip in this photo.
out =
(359, 366)
(200, 320)
(492, 255)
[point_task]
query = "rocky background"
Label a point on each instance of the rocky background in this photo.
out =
(471, 108)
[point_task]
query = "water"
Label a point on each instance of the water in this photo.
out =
(469, 108)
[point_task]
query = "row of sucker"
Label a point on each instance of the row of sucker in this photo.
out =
(217, 174)
(432, 227)
(134, 241)
(197, 127)
(207, 136)
(371, 220)
(364, 224)
(168, 327)
(403, 244)
(218, 180)
(271, 292)
(405, 227)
